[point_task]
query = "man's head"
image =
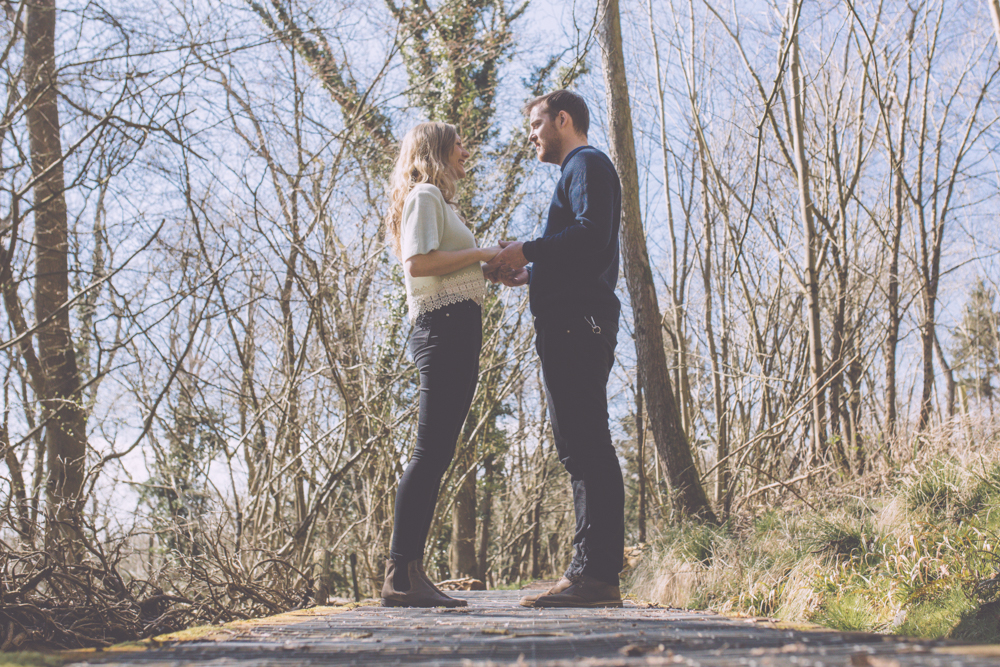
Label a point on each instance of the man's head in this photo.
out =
(559, 122)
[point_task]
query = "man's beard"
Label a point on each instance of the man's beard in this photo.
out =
(551, 151)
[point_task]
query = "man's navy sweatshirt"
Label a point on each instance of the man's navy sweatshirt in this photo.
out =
(575, 262)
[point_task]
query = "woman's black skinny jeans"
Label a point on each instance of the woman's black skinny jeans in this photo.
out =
(445, 344)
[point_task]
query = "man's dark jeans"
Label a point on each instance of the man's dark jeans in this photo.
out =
(576, 364)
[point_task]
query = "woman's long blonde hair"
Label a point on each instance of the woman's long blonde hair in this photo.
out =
(423, 158)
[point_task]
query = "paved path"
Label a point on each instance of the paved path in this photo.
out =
(493, 630)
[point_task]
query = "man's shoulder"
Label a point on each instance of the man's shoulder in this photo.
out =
(589, 157)
(591, 161)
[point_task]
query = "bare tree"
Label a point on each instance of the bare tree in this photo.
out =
(664, 418)
(66, 426)
(994, 6)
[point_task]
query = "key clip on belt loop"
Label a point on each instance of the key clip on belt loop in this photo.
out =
(592, 323)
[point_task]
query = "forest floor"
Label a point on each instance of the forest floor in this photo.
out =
(912, 552)
(493, 629)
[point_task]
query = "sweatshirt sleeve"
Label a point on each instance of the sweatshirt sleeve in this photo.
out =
(590, 190)
(422, 224)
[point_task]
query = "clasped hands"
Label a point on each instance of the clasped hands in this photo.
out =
(508, 265)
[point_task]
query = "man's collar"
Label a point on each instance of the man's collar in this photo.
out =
(573, 152)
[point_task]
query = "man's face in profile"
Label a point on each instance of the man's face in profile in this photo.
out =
(545, 133)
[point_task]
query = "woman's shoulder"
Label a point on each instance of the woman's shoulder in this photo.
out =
(425, 189)
(424, 205)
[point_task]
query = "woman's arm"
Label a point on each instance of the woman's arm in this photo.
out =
(440, 262)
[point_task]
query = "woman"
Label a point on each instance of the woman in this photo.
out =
(444, 290)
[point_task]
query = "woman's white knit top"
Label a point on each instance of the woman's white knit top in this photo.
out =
(429, 223)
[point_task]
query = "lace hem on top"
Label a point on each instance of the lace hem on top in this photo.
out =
(471, 287)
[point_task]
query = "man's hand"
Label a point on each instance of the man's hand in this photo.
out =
(509, 259)
(517, 278)
(494, 275)
(508, 277)
(507, 266)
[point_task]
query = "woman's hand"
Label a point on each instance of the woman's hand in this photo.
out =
(489, 253)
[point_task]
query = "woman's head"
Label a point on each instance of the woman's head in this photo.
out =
(430, 153)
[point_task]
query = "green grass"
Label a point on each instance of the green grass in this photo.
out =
(938, 488)
(919, 559)
(29, 659)
(936, 617)
(841, 537)
(695, 543)
(513, 585)
(847, 611)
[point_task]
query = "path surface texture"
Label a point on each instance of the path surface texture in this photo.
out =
(494, 630)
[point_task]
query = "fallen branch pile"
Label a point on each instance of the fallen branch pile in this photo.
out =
(53, 602)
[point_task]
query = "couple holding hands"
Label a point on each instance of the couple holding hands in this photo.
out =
(572, 277)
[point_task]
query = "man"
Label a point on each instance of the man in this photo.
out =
(572, 296)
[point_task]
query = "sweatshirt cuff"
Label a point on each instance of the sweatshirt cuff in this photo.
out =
(529, 248)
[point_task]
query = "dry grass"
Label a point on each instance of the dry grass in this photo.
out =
(910, 549)
(668, 580)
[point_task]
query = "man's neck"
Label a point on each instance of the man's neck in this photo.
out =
(571, 145)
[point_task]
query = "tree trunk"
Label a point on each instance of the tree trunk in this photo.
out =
(688, 493)
(536, 537)
(994, 6)
(463, 521)
(839, 430)
(855, 378)
(927, 240)
(949, 377)
(65, 432)
(677, 275)
(17, 488)
(892, 291)
(487, 523)
(812, 245)
(541, 482)
(892, 336)
(640, 437)
(721, 426)
(927, 335)
(291, 435)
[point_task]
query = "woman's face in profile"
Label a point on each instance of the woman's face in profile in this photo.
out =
(456, 161)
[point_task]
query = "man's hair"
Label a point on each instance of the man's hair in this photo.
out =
(563, 100)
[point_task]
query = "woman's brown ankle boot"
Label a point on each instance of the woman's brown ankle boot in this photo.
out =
(422, 593)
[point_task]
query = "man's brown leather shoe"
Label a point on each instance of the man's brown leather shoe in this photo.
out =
(559, 587)
(422, 593)
(583, 591)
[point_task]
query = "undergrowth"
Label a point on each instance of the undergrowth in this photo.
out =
(918, 558)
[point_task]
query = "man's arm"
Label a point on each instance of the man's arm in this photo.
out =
(590, 189)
